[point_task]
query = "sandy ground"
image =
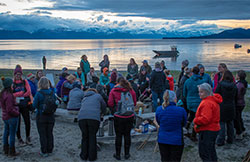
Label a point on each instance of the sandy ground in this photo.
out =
(67, 138)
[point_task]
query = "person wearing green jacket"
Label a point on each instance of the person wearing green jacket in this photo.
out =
(85, 66)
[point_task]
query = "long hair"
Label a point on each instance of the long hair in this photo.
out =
(43, 83)
(133, 60)
(228, 76)
(224, 66)
(125, 84)
(165, 99)
(8, 90)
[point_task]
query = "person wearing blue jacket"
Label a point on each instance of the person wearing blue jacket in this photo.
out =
(60, 83)
(191, 95)
(206, 77)
(45, 123)
(171, 119)
(33, 87)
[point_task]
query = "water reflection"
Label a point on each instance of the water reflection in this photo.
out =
(60, 53)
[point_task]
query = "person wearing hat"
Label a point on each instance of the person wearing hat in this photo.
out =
(206, 77)
(21, 90)
(184, 64)
(31, 80)
(158, 85)
(146, 67)
(171, 119)
(10, 113)
(104, 78)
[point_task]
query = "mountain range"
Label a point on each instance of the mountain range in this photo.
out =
(96, 33)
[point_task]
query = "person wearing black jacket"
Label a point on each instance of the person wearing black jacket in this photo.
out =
(184, 64)
(228, 90)
(158, 85)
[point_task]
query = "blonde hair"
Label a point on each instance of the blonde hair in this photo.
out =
(43, 83)
(169, 96)
(70, 77)
(92, 89)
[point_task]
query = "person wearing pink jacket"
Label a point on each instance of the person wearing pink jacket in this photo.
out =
(22, 92)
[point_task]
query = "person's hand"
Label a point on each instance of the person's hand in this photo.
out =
(147, 79)
(104, 86)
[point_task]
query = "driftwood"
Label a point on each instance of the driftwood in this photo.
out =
(144, 142)
(247, 157)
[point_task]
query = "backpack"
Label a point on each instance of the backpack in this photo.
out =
(125, 106)
(49, 106)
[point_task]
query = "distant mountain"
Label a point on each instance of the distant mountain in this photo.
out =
(96, 33)
(237, 33)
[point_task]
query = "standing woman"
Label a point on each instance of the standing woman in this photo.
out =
(39, 74)
(92, 107)
(171, 119)
(104, 63)
(123, 124)
(218, 76)
(132, 69)
(228, 90)
(85, 66)
(21, 90)
(207, 122)
(44, 122)
(10, 115)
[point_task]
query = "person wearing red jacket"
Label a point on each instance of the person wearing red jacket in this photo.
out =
(10, 115)
(123, 124)
(170, 79)
(207, 122)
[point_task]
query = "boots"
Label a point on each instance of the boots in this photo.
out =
(117, 155)
(126, 149)
(6, 149)
(12, 151)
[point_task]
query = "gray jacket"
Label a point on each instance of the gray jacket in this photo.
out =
(75, 97)
(92, 106)
(89, 78)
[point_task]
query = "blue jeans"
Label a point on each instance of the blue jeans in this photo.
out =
(155, 96)
(222, 132)
(10, 128)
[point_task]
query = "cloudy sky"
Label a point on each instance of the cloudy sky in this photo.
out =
(198, 16)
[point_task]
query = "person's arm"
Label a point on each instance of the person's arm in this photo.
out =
(136, 69)
(101, 63)
(210, 81)
(102, 80)
(68, 85)
(152, 79)
(218, 89)
(111, 101)
(133, 96)
(205, 116)
(10, 106)
(184, 118)
(82, 66)
(128, 69)
(27, 87)
(35, 101)
(184, 93)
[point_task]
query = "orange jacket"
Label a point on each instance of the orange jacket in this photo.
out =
(171, 82)
(207, 116)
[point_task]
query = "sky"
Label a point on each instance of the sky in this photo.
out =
(200, 17)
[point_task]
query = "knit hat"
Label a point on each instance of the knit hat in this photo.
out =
(113, 77)
(185, 63)
(201, 66)
(7, 82)
(145, 61)
(172, 96)
(18, 70)
(104, 70)
(64, 69)
(157, 65)
(30, 75)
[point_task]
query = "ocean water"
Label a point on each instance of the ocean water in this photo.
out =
(61, 53)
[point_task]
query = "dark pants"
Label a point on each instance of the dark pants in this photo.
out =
(45, 125)
(222, 132)
(170, 152)
(89, 129)
(207, 149)
(24, 112)
(123, 127)
(238, 122)
(155, 96)
(10, 127)
(191, 116)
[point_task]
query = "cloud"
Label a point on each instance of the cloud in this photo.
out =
(2, 4)
(122, 23)
(100, 18)
(164, 9)
(39, 12)
(106, 20)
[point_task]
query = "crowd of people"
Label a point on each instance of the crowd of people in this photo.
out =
(196, 103)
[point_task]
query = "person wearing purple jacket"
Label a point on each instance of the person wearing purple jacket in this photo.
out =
(10, 115)
(240, 103)
(60, 83)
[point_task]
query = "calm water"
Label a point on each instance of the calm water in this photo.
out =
(60, 53)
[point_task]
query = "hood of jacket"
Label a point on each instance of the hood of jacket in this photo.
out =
(227, 85)
(215, 98)
(119, 88)
(89, 93)
(196, 77)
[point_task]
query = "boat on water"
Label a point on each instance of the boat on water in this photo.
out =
(173, 53)
(248, 50)
(237, 46)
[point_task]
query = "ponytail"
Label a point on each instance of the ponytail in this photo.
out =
(165, 99)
